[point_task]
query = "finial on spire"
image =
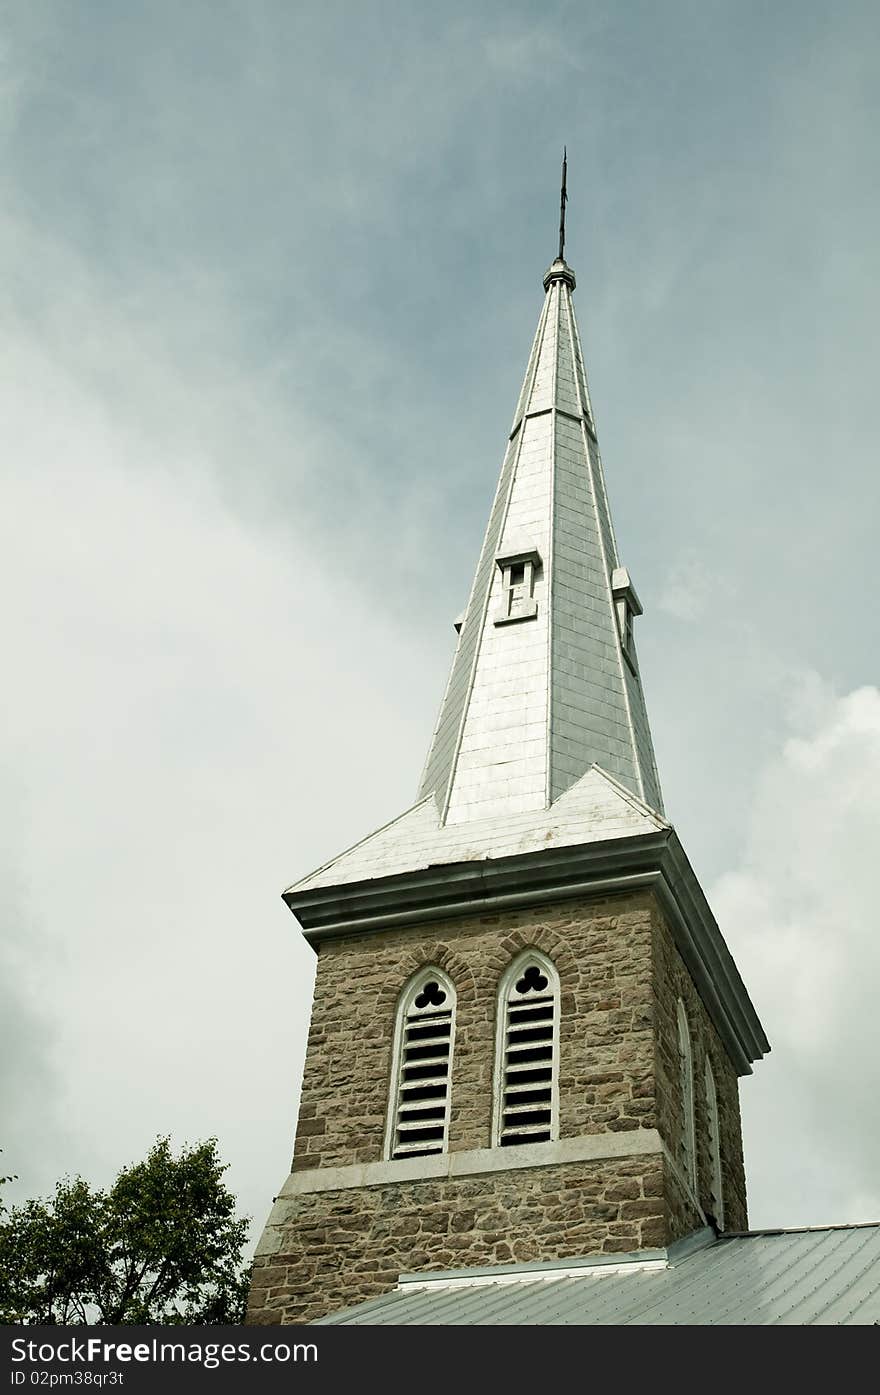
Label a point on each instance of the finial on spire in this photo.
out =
(563, 200)
(560, 270)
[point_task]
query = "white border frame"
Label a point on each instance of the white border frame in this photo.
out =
(686, 1052)
(714, 1126)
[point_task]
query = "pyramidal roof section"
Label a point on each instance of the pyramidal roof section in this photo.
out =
(545, 679)
(595, 810)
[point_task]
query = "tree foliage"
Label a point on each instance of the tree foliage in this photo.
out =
(162, 1245)
(10, 1177)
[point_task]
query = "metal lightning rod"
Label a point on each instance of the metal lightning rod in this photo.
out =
(563, 200)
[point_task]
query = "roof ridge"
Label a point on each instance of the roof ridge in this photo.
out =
(798, 1229)
(374, 833)
(640, 805)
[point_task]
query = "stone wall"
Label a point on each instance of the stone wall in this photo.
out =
(337, 1248)
(602, 951)
(671, 982)
(620, 977)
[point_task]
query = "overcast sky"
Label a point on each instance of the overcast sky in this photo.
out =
(269, 275)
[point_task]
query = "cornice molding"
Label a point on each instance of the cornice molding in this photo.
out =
(653, 861)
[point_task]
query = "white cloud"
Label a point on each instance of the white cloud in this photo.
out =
(195, 713)
(691, 587)
(531, 53)
(686, 588)
(802, 917)
(240, 430)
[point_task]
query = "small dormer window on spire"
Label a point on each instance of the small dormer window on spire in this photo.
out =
(627, 606)
(518, 571)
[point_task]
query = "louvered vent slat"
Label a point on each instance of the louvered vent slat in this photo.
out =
(529, 1064)
(422, 1097)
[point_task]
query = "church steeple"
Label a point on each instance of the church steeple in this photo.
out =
(545, 680)
(527, 1027)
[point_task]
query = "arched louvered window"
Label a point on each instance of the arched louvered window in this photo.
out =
(527, 1053)
(418, 1110)
(688, 1142)
(717, 1185)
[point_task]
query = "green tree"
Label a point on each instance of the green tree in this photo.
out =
(162, 1245)
(10, 1177)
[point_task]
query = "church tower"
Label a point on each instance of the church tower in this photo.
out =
(527, 1029)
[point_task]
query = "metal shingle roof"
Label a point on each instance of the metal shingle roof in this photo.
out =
(594, 810)
(530, 707)
(828, 1276)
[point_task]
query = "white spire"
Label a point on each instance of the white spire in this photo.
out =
(545, 680)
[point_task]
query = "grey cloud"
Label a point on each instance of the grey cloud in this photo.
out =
(268, 283)
(800, 916)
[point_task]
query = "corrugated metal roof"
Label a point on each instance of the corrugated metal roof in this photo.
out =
(823, 1276)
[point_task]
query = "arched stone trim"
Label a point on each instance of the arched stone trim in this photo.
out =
(420, 1093)
(541, 937)
(525, 1105)
(414, 958)
(716, 1175)
(688, 1138)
